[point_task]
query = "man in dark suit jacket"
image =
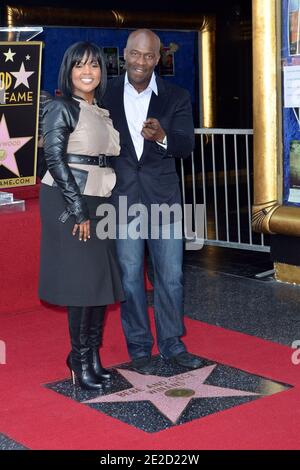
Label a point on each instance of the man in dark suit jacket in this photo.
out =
(154, 119)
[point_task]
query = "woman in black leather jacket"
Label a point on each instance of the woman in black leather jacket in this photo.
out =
(77, 269)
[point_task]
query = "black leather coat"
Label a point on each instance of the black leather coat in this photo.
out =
(59, 120)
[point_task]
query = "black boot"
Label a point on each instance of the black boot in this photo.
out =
(95, 341)
(78, 360)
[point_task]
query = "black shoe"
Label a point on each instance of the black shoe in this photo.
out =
(97, 368)
(142, 365)
(84, 377)
(95, 340)
(186, 359)
(79, 360)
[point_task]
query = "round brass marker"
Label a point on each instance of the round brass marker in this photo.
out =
(180, 392)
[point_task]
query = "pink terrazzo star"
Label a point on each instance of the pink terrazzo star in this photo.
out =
(9, 146)
(157, 390)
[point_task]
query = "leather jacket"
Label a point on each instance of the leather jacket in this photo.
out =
(60, 118)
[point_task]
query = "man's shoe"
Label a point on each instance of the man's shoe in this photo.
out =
(186, 359)
(142, 365)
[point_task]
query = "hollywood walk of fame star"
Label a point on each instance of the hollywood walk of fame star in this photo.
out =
(9, 146)
(21, 76)
(9, 55)
(170, 395)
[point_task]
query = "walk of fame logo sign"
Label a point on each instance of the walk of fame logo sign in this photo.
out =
(20, 65)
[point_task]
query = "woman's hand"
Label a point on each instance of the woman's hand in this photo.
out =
(84, 230)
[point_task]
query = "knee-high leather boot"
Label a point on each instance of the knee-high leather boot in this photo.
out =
(79, 360)
(95, 341)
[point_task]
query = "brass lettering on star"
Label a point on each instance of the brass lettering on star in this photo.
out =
(5, 80)
(18, 97)
(6, 183)
(130, 391)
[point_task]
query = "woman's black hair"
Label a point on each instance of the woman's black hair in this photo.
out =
(73, 55)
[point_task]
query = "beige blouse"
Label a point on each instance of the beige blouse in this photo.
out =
(94, 135)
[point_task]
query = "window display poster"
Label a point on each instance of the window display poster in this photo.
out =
(294, 25)
(291, 76)
(290, 58)
(111, 55)
(294, 195)
(166, 63)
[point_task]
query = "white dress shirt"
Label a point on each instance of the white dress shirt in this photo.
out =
(136, 109)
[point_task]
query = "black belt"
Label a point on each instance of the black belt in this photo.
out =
(100, 160)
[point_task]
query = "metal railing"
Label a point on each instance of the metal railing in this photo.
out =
(219, 176)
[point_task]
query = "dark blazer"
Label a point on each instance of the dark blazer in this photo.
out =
(152, 179)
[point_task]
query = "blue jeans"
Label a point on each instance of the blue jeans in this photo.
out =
(166, 256)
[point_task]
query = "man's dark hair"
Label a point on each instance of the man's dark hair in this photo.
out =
(74, 55)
